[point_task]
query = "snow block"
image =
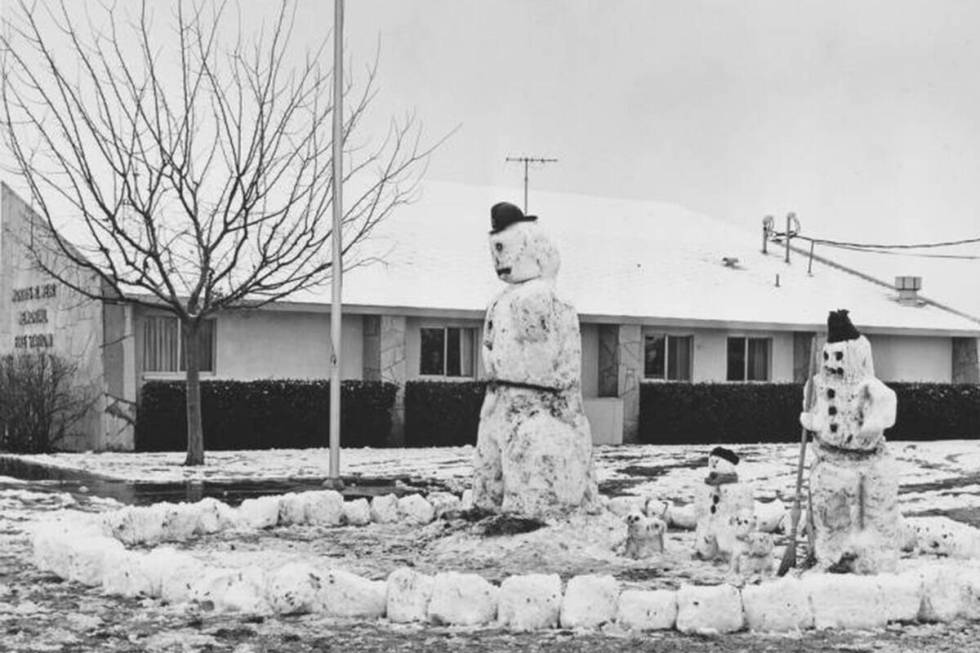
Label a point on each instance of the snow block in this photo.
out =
(970, 579)
(416, 509)
(137, 524)
(213, 516)
(343, 594)
(384, 509)
(902, 594)
(683, 517)
(622, 506)
(709, 609)
(129, 577)
(261, 512)
(647, 609)
(945, 536)
(590, 601)
(443, 502)
(777, 606)
(180, 521)
(845, 601)
(357, 512)
(462, 600)
(529, 602)
(942, 592)
(292, 509)
(325, 508)
(771, 516)
(51, 544)
(177, 571)
(293, 588)
(409, 593)
(232, 590)
(89, 557)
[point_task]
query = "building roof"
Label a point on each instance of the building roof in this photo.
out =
(622, 261)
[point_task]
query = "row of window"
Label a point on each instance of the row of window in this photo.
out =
(451, 351)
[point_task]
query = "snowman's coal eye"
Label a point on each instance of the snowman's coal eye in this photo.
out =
(499, 247)
(826, 356)
(839, 355)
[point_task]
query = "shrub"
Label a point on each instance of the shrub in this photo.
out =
(265, 414)
(442, 413)
(709, 413)
(39, 404)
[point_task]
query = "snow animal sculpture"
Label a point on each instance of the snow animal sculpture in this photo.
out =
(721, 497)
(853, 482)
(644, 535)
(751, 556)
(534, 446)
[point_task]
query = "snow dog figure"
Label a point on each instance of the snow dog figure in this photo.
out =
(721, 498)
(853, 482)
(534, 445)
(644, 535)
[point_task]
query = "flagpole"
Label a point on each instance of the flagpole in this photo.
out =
(337, 268)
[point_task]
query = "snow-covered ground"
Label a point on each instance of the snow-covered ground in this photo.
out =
(936, 475)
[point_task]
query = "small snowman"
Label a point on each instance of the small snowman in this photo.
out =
(853, 481)
(720, 499)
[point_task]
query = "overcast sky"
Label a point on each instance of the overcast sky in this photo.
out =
(861, 116)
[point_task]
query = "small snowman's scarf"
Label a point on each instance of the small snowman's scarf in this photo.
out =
(716, 478)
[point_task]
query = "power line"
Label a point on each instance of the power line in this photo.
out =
(839, 243)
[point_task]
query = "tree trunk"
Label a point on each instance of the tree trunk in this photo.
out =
(195, 428)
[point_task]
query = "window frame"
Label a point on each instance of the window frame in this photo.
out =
(745, 358)
(667, 335)
(474, 333)
(179, 373)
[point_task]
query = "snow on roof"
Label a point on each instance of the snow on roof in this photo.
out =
(621, 260)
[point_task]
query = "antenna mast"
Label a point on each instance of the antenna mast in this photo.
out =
(527, 160)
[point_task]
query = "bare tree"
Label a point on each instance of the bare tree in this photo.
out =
(195, 169)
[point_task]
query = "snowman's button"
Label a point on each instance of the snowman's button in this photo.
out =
(832, 410)
(833, 428)
(830, 393)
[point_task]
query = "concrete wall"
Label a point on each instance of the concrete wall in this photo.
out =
(912, 358)
(40, 314)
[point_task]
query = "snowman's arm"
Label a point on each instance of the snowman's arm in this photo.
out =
(878, 405)
(811, 418)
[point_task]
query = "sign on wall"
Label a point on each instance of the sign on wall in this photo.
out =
(32, 315)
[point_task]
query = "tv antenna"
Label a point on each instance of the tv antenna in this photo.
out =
(527, 161)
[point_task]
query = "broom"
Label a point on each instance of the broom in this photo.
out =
(789, 556)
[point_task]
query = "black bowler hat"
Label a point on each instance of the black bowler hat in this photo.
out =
(725, 454)
(839, 327)
(504, 214)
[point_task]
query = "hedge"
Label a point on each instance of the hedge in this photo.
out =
(442, 413)
(708, 413)
(264, 414)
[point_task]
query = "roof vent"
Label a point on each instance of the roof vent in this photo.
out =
(908, 290)
(730, 261)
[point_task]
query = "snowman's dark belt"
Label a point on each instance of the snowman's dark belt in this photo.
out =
(492, 383)
(851, 454)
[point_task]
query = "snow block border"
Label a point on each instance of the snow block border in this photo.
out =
(91, 549)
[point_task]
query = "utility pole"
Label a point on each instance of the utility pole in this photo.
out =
(527, 160)
(336, 262)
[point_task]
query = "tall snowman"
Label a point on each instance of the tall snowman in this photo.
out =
(853, 480)
(534, 446)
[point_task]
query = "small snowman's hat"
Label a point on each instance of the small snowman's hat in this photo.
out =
(724, 454)
(504, 214)
(839, 327)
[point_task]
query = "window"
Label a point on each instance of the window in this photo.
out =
(448, 351)
(667, 357)
(748, 359)
(163, 349)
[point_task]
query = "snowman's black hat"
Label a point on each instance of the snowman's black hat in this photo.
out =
(725, 454)
(839, 327)
(504, 214)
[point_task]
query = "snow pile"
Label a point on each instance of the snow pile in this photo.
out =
(462, 600)
(709, 609)
(409, 593)
(944, 536)
(590, 601)
(530, 602)
(647, 610)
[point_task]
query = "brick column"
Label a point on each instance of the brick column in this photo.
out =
(966, 368)
(630, 359)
